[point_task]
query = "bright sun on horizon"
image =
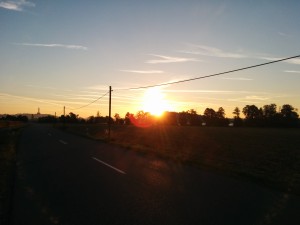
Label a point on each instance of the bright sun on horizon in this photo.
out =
(154, 102)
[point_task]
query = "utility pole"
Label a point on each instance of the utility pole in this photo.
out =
(64, 121)
(109, 114)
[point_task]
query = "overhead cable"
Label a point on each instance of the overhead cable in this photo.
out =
(211, 75)
(91, 102)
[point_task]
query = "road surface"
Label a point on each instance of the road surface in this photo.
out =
(70, 180)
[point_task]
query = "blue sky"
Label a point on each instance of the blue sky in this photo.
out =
(67, 53)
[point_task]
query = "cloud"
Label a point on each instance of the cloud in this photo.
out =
(255, 97)
(211, 51)
(42, 87)
(291, 61)
(212, 91)
(23, 98)
(143, 71)
(16, 5)
(76, 47)
(292, 71)
(237, 78)
(98, 87)
(284, 34)
(169, 59)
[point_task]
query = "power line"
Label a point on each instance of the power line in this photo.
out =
(91, 102)
(207, 76)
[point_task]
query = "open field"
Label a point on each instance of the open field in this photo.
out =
(264, 155)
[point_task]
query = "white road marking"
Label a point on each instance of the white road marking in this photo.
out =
(114, 168)
(63, 142)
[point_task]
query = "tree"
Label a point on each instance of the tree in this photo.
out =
(183, 118)
(91, 119)
(170, 118)
(289, 116)
(192, 112)
(269, 111)
(253, 115)
(210, 116)
(127, 118)
(251, 112)
(193, 118)
(209, 113)
(289, 111)
(220, 113)
(118, 119)
(72, 118)
(236, 112)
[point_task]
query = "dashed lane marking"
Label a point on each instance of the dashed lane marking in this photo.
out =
(110, 166)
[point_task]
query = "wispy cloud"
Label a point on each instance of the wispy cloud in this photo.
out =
(237, 78)
(98, 87)
(170, 59)
(40, 100)
(76, 47)
(17, 5)
(284, 34)
(291, 61)
(255, 97)
(292, 71)
(42, 87)
(212, 51)
(143, 71)
(214, 91)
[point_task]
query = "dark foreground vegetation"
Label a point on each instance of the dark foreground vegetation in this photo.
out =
(9, 134)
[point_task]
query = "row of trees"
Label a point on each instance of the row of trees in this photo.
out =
(266, 116)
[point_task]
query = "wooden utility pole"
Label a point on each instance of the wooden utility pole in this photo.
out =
(109, 114)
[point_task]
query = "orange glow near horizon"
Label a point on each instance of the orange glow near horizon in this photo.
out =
(155, 103)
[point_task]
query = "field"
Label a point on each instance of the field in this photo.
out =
(267, 156)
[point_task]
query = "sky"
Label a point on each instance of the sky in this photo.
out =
(67, 53)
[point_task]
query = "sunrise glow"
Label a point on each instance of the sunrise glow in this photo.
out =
(154, 102)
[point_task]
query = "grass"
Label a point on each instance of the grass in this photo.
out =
(9, 135)
(264, 155)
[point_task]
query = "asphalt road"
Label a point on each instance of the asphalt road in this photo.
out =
(69, 180)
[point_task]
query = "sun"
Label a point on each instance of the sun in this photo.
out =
(154, 102)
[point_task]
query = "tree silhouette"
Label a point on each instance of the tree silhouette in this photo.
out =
(118, 119)
(289, 116)
(215, 118)
(236, 112)
(220, 113)
(251, 112)
(127, 118)
(252, 115)
(289, 111)
(269, 111)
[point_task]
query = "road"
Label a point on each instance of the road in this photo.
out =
(70, 180)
